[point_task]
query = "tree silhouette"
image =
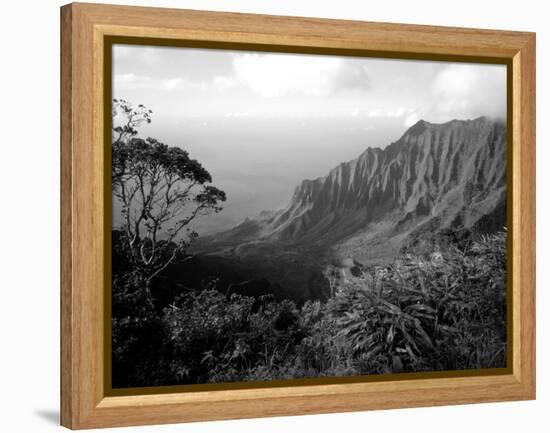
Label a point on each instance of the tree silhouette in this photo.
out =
(161, 191)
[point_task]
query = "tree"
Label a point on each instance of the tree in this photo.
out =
(161, 191)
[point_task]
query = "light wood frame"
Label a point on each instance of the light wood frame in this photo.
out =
(84, 403)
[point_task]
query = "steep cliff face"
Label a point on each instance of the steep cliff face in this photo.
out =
(435, 176)
(432, 170)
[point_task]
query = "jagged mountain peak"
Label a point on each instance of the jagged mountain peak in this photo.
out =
(412, 176)
(418, 128)
(453, 172)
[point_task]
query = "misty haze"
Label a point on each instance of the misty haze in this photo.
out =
(282, 216)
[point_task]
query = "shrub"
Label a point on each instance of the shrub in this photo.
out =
(442, 312)
(445, 310)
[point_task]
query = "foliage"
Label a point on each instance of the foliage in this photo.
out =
(442, 312)
(440, 306)
(430, 312)
(161, 190)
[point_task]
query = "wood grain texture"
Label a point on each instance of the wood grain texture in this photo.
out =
(67, 394)
(83, 400)
(524, 235)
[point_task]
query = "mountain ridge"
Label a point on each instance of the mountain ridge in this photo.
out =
(450, 172)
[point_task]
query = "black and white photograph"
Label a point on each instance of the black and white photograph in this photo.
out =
(281, 216)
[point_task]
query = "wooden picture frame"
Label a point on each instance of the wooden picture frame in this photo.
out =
(85, 402)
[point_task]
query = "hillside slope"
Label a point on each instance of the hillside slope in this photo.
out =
(451, 174)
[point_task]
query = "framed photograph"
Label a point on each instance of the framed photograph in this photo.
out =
(267, 215)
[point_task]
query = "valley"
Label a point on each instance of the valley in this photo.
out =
(436, 177)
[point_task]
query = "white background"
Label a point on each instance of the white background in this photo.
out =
(29, 217)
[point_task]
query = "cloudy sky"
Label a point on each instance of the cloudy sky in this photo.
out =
(262, 122)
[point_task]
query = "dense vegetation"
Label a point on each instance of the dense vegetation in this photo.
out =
(428, 311)
(440, 306)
